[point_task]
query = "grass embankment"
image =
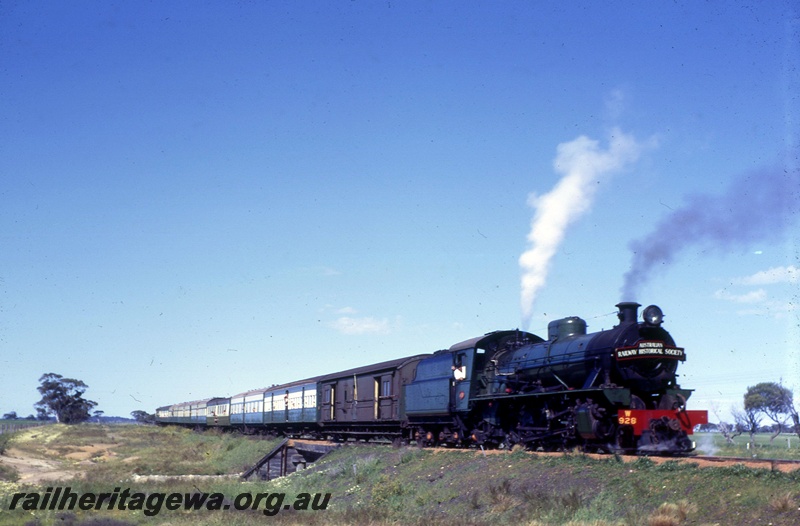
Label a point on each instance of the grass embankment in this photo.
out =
(116, 452)
(381, 485)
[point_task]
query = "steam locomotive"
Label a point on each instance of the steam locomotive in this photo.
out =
(613, 390)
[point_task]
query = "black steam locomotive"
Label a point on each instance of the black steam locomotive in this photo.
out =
(612, 390)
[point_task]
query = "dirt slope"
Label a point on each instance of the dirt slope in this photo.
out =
(34, 470)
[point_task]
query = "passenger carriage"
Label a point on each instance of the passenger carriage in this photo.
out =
(365, 402)
(292, 405)
(247, 408)
(218, 412)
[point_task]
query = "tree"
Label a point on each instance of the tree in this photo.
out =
(729, 431)
(771, 399)
(11, 415)
(747, 421)
(143, 417)
(63, 398)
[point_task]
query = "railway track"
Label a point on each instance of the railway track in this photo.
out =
(784, 465)
(771, 462)
(711, 461)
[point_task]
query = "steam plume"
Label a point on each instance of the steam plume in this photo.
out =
(758, 206)
(583, 163)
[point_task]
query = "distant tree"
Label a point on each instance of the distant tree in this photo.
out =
(63, 398)
(707, 428)
(729, 431)
(41, 414)
(770, 399)
(747, 421)
(143, 417)
(30, 417)
(796, 420)
(11, 415)
(97, 414)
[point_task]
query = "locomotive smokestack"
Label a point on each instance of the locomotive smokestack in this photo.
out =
(628, 311)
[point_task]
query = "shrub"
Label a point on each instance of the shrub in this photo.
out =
(669, 514)
(5, 438)
(385, 489)
(8, 474)
(783, 503)
(364, 467)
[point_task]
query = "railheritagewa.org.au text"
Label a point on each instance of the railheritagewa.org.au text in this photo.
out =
(153, 503)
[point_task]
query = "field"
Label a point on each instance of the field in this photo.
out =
(784, 446)
(376, 485)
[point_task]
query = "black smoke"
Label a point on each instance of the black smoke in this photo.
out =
(758, 206)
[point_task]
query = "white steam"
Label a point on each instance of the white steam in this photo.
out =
(583, 164)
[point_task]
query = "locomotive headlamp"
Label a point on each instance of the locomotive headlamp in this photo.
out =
(652, 315)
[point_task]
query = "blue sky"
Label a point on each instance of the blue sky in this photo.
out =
(202, 198)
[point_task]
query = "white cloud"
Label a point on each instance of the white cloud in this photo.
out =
(328, 271)
(789, 274)
(778, 310)
(755, 296)
(365, 325)
(615, 103)
(763, 304)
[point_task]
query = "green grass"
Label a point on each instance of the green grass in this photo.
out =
(785, 446)
(381, 485)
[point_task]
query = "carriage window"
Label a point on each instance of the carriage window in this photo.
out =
(386, 388)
